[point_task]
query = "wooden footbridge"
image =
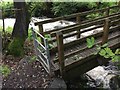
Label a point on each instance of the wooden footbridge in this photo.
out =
(72, 58)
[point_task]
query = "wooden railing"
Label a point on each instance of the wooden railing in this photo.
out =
(79, 24)
(58, 35)
(106, 23)
(76, 15)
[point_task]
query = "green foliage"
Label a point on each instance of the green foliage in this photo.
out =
(38, 9)
(104, 50)
(5, 70)
(92, 16)
(7, 5)
(48, 37)
(1, 28)
(117, 52)
(90, 42)
(16, 47)
(30, 36)
(9, 29)
(66, 8)
(33, 59)
(106, 4)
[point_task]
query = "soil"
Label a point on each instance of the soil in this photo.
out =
(24, 74)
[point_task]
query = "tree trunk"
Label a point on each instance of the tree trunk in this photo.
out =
(20, 30)
(22, 20)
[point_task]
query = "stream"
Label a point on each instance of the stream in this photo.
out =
(101, 77)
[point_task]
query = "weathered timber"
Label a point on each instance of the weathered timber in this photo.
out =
(91, 61)
(73, 15)
(53, 31)
(73, 57)
(78, 20)
(106, 31)
(85, 25)
(85, 48)
(75, 42)
(41, 32)
(107, 12)
(60, 45)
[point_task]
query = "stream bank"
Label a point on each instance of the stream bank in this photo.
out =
(102, 77)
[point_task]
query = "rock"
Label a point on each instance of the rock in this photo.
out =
(115, 83)
(57, 83)
(105, 78)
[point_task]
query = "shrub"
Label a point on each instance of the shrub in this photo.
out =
(66, 8)
(7, 13)
(40, 9)
(5, 70)
(15, 47)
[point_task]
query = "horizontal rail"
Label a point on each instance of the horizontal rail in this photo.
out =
(69, 44)
(44, 64)
(81, 26)
(83, 60)
(40, 44)
(38, 34)
(53, 34)
(84, 48)
(73, 15)
(51, 31)
(42, 54)
(73, 34)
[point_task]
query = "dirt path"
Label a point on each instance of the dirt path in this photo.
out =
(27, 75)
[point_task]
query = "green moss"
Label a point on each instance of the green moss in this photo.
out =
(15, 47)
(5, 70)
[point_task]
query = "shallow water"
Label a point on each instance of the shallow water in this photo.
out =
(101, 77)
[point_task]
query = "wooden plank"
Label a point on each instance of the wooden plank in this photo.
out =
(115, 22)
(78, 20)
(54, 30)
(106, 31)
(107, 12)
(113, 45)
(85, 60)
(85, 48)
(72, 34)
(41, 32)
(60, 45)
(110, 39)
(85, 25)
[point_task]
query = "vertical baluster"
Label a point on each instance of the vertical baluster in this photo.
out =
(78, 20)
(35, 43)
(107, 12)
(105, 31)
(48, 55)
(41, 32)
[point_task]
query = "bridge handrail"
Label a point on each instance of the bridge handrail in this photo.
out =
(74, 15)
(81, 26)
(61, 46)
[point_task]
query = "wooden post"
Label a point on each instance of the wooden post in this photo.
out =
(107, 12)
(41, 32)
(60, 45)
(105, 31)
(78, 20)
(119, 3)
